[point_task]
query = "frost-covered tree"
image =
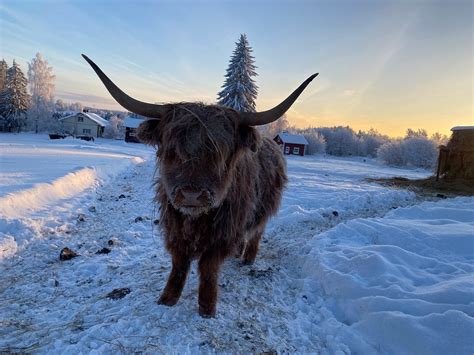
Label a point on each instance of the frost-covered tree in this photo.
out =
(41, 84)
(316, 141)
(239, 90)
(391, 153)
(370, 141)
(14, 99)
(439, 138)
(340, 141)
(420, 152)
(420, 133)
(113, 129)
(414, 150)
(3, 74)
(272, 129)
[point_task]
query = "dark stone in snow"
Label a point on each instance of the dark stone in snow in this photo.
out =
(92, 209)
(67, 254)
(139, 219)
(156, 221)
(118, 293)
(110, 242)
(81, 217)
(441, 196)
(103, 251)
(122, 196)
(335, 213)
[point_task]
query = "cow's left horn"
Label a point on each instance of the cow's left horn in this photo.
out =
(261, 118)
(132, 105)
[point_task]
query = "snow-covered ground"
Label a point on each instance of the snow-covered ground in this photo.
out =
(345, 267)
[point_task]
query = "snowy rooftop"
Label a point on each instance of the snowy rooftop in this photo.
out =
(292, 138)
(93, 116)
(462, 128)
(132, 122)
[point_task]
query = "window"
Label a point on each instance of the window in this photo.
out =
(86, 131)
(296, 150)
(80, 119)
(287, 150)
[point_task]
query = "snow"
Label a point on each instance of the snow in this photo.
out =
(37, 174)
(462, 128)
(346, 266)
(402, 283)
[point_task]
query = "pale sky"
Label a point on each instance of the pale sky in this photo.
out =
(388, 65)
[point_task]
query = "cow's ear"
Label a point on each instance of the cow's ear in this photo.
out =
(147, 132)
(249, 137)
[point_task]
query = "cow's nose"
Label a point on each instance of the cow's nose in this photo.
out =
(191, 197)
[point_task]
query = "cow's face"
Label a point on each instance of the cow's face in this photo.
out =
(198, 147)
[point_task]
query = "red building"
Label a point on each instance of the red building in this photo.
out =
(291, 144)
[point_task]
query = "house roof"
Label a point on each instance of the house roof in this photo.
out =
(132, 122)
(462, 128)
(93, 116)
(292, 138)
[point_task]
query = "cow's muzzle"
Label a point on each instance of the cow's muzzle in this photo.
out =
(191, 197)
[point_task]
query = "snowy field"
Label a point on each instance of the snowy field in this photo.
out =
(345, 267)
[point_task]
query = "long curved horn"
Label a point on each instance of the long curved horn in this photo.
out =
(132, 105)
(261, 118)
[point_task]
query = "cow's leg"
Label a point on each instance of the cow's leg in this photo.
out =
(252, 248)
(176, 280)
(209, 265)
(239, 250)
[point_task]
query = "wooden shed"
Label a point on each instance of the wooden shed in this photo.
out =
(456, 159)
(131, 124)
(291, 144)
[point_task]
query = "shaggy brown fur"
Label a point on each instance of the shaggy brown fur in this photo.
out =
(219, 184)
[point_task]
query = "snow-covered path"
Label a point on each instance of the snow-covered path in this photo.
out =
(317, 285)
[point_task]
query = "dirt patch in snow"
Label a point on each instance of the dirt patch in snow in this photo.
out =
(429, 186)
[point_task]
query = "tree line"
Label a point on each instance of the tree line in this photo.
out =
(26, 101)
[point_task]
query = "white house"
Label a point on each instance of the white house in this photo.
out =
(84, 124)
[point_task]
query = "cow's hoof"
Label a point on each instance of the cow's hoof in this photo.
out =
(207, 312)
(167, 300)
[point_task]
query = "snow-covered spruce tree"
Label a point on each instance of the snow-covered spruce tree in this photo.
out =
(3, 74)
(41, 84)
(239, 90)
(14, 99)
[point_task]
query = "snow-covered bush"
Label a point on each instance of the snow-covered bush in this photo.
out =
(370, 141)
(340, 141)
(391, 153)
(316, 141)
(113, 129)
(419, 152)
(416, 151)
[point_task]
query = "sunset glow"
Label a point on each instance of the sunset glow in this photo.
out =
(388, 65)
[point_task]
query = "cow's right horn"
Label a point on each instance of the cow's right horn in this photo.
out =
(129, 103)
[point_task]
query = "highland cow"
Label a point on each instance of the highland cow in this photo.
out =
(220, 182)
